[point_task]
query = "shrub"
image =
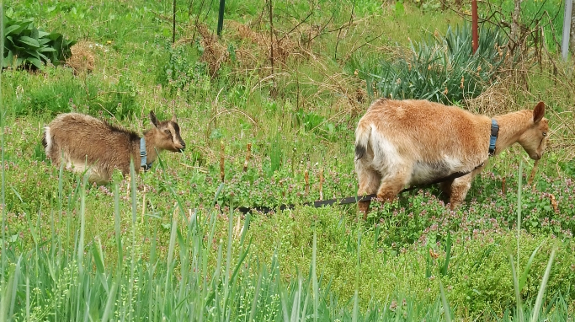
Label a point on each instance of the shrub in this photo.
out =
(29, 47)
(443, 69)
(182, 72)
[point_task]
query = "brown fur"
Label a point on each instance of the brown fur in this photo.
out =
(409, 142)
(82, 140)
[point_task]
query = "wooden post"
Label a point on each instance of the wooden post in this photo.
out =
(222, 159)
(144, 204)
(306, 175)
(248, 155)
(321, 184)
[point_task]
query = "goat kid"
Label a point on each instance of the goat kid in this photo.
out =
(400, 143)
(85, 143)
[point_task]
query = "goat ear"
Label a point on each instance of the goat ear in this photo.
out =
(538, 112)
(174, 119)
(154, 119)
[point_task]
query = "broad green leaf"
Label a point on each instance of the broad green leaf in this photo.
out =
(46, 50)
(33, 53)
(54, 36)
(29, 41)
(43, 41)
(10, 29)
(34, 33)
(36, 62)
(43, 57)
(8, 60)
(11, 42)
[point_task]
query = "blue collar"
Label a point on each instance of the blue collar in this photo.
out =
(493, 137)
(143, 156)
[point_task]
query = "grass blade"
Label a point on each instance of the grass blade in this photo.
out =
(355, 314)
(539, 300)
(82, 225)
(314, 276)
(519, 189)
(110, 303)
(523, 278)
(519, 302)
(256, 296)
(445, 303)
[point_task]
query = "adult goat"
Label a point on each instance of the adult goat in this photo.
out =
(410, 142)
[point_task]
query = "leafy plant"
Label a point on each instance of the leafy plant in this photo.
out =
(182, 72)
(26, 46)
(442, 69)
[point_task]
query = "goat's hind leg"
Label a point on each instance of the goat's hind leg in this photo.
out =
(369, 181)
(391, 186)
(393, 183)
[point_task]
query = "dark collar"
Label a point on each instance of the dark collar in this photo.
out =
(493, 137)
(143, 156)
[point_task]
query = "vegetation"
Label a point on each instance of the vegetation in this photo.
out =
(169, 244)
(27, 46)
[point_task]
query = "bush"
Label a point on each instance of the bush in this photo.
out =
(29, 47)
(443, 69)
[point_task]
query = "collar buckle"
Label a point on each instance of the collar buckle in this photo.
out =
(493, 137)
(143, 156)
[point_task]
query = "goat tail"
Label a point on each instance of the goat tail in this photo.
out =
(362, 135)
(47, 140)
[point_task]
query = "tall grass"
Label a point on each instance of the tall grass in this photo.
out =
(78, 284)
(519, 282)
(202, 274)
(202, 279)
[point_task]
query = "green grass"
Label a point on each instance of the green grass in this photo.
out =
(74, 251)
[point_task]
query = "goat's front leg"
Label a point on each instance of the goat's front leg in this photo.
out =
(458, 190)
(459, 187)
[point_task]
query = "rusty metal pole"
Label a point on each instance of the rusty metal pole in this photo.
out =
(474, 32)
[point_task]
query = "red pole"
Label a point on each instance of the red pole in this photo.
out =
(474, 33)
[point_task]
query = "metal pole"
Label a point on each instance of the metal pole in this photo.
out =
(474, 31)
(174, 22)
(221, 17)
(566, 29)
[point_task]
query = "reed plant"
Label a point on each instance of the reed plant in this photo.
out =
(442, 68)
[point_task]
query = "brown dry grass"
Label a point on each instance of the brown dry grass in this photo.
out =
(82, 59)
(497, 99)
(253, 54)
(255, 48)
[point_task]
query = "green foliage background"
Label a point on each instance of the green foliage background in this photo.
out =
(65, 245)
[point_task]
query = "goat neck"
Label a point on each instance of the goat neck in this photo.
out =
(152, 148)
(511, 127)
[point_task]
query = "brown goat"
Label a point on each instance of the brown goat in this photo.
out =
(399, 143)
(87, 143)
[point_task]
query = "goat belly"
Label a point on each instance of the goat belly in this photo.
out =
(424, 172)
